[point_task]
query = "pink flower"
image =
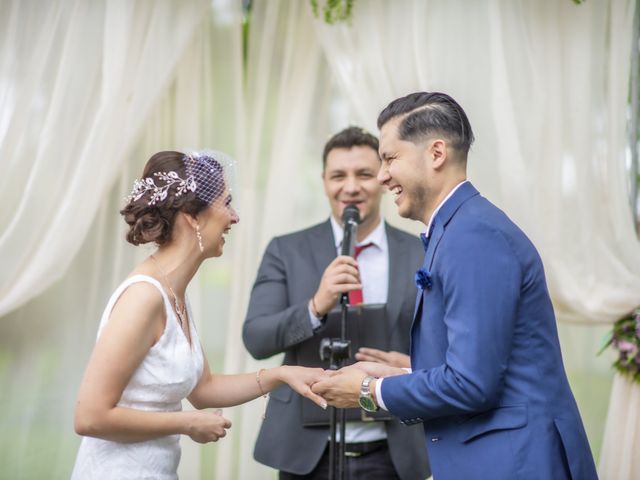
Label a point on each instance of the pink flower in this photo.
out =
(627, 347)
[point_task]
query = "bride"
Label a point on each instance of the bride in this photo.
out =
(148, 357)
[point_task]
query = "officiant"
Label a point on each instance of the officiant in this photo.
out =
(299, 283)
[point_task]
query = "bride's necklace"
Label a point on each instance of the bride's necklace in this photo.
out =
(181, 311)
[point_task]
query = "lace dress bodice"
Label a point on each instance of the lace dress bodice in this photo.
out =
(168, 373)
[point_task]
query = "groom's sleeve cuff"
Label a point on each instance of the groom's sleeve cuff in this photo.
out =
(379, 395)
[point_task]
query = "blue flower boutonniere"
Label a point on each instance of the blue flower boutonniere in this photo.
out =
(423, 279)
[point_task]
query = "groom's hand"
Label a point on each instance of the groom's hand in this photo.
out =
(342, 389)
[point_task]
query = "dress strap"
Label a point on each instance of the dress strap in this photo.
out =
(126, 284)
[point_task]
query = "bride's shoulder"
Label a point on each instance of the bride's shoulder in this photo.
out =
(141, 294)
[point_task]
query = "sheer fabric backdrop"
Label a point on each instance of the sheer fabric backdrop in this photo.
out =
(280, 185)
(545, 84)
(93, 89)
(79, 79)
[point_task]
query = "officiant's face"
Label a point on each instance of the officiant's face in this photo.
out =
(350, 179)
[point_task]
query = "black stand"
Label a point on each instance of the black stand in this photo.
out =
(336, 350)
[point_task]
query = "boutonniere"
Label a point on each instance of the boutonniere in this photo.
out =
(423, 279)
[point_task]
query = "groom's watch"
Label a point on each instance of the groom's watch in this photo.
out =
(366, 399)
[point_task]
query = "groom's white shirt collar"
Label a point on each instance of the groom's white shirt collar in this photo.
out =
(435, 212)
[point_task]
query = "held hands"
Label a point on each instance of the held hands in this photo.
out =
(393, 359)
(206, 426)
(341, 388)
(301, 380)
(339, 277)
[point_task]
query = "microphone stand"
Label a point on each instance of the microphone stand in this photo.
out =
(339, 349)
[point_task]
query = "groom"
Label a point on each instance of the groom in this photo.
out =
(488, 382)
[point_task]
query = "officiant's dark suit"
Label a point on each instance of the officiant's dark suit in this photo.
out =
(279, 319)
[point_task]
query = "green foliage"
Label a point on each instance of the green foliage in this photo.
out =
(334, 11)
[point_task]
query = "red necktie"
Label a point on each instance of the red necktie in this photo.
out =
(355, 296)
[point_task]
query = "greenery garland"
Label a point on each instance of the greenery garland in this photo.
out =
(334, 11)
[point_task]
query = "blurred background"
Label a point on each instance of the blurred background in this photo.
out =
(89, 90)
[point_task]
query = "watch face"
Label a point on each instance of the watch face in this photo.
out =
(367, 404)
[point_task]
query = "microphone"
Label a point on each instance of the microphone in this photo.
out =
(350, 221)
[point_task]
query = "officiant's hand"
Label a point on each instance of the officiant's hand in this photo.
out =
(339, 277)
(377, 370)
(342, 388)
(393, 359)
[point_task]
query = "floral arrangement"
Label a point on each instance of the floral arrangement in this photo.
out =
(625, 338)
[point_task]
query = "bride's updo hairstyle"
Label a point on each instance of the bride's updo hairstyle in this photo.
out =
(171, 182)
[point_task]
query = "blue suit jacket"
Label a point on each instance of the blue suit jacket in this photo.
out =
(488, 380)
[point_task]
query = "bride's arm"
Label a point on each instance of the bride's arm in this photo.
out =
(136, 323)
(217, 390)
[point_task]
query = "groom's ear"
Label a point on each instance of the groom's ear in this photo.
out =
(437, 153)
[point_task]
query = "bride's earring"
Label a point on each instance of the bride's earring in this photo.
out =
(199, 235)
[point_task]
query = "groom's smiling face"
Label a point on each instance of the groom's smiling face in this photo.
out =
(405, 172)
(349, 178)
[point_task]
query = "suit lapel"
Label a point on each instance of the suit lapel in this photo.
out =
(440, 221)
(398, 269)
(434, 240)
(323, 246)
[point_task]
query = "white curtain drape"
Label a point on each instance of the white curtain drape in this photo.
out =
(77, 80)
(178, 82)
(619, 459)
(545, 85)
(280, 187)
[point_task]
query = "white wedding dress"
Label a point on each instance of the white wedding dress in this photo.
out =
(168, 374)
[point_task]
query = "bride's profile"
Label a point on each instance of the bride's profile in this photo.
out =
(148, 357)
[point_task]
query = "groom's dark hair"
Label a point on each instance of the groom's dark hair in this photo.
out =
(426, 114)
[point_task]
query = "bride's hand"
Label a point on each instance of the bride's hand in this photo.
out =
(301, 379)
(205, 426)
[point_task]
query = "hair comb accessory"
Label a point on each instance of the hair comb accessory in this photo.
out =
(207, 174)
(159, 191)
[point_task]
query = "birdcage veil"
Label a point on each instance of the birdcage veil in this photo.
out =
(212, 171)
